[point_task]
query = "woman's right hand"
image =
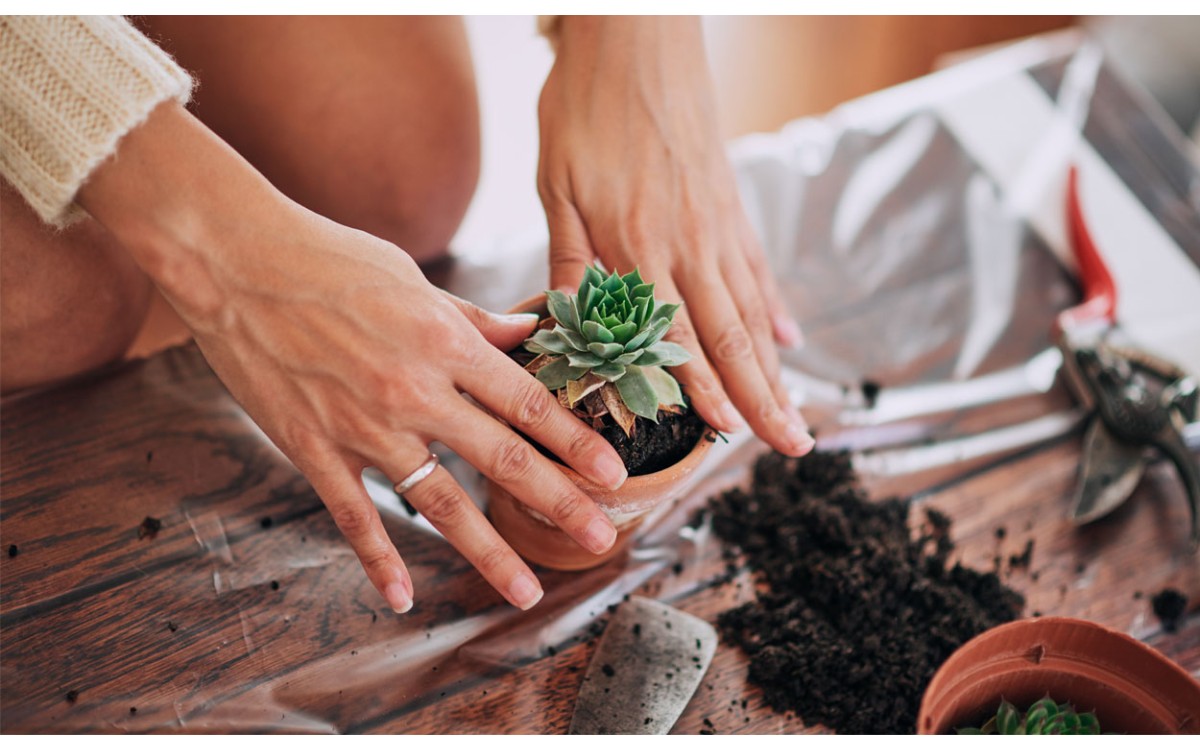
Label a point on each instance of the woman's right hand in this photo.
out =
(341, 351)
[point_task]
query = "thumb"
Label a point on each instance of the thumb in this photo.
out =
(570, 248)
(505, 332)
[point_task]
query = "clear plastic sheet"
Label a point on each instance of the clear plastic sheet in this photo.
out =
(905, 262)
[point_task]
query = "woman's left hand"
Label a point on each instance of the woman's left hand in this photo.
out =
(632, 171)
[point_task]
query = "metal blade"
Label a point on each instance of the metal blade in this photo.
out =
(1111, 470)
(650, 661)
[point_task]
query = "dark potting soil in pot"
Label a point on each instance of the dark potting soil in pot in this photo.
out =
(854, 614)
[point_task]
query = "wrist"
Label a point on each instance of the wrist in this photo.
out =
(178, 198)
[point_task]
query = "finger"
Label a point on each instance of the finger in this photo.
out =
(530, 477)
(729, 344)
(518, 398)
(698, 377)
(340, 488)
(784, 326)
(445, 505)
(750, 304)
(570, 246)
(505, 332)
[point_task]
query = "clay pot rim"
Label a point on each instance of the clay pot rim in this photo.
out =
(537, 303)
(973, 659)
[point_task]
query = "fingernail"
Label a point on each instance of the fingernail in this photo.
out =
(600, 535)
(789, 331)
(800, 441)
(524, 591)
(520, 318)
(611, 471)
(730, 419)
(398, 598)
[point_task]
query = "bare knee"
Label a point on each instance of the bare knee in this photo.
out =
(380, 131)
(70, 301)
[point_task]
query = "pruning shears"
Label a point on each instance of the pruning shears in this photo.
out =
(1139, 403)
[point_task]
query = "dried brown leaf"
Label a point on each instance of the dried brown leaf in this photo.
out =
(537, 363)
(577, 389)
(621, 414)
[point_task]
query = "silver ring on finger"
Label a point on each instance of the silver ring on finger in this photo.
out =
(421, 473)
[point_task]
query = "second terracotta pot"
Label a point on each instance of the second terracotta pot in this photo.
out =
(1132, 688)
(538, 540)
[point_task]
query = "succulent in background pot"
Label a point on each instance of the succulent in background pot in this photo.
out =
(601, 351)
(1127, 685)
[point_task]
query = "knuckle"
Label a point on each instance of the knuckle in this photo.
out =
(769, 413)
(492, 559)
(512, 461)
(566, 505)
(376, 560)
(681, 331)
(353, 521)
(733, 344)
(532, 406)
(442, 504)
(581, 443)
(757, 321)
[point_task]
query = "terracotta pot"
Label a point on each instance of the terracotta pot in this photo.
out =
(539, 541)
(1132, 688)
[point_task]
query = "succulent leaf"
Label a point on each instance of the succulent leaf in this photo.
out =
(561, 308)
(556, 374)
(610, 371)
(546, 342)
(665, 386)
(585, 359)
(606, 351)
(638, 393)
(1007, 718)
(663, 354)
(595, 331)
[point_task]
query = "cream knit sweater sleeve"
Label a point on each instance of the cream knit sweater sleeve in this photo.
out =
(70, 88)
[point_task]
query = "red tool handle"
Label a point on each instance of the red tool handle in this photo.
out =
(1099, 292)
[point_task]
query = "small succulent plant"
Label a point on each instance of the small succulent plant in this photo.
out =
(1043, 717)
(601, 350)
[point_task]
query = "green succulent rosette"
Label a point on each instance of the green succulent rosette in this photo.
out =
(612, 330)
(1043, 717)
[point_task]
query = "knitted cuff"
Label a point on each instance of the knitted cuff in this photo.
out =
(70, 88)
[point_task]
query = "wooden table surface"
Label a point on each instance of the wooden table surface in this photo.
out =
(246, 611)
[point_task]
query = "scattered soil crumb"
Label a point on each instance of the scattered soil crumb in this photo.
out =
(13, 551)
(149, 528)
(855, 614)
(1138, 595)
(1001, 532)
(870, 392)
(274, 585)
(1169, 607)
(608, 670)
(266, 522)
(149, 456)
(172, 626)
(1022, 560)
(72, 696)
(133, 710)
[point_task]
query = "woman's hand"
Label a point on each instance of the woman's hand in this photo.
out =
(341, 351)
(633, 172)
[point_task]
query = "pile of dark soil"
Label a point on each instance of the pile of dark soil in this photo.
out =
(854, 614)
